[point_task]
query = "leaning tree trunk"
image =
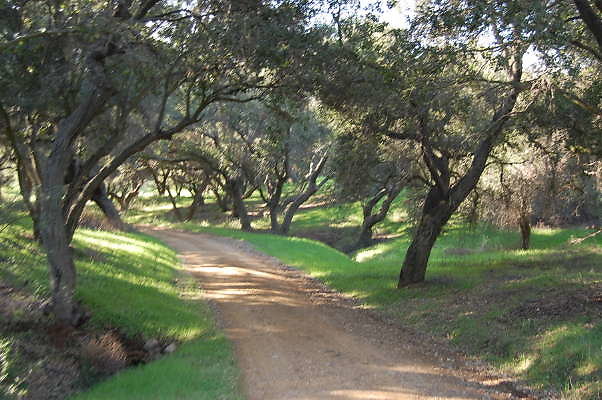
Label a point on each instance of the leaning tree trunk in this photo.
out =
(296, 203)
(443, 200)
(417, 256)
(365, 238)
(293, 204)
(435, 215)
(103, 202)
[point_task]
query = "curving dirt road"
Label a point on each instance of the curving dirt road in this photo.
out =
(295, 339)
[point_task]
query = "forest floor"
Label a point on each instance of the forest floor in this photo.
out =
(296, 339)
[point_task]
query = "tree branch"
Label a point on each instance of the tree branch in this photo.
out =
(591, 19)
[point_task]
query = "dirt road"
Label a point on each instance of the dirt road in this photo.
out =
(296, 340)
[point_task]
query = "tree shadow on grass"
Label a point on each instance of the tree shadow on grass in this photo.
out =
(138, 306)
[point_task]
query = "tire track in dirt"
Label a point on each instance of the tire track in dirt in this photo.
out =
(296, 341)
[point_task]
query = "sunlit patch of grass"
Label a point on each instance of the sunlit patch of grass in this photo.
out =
(132, 282)
(521, 364)
(568, 353)
(366, 255)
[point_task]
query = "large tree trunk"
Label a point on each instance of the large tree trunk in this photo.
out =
(435, 215)
(365, 237)
(223, 200)
(238, 204)
(285, 227)
(293, 204)
(274, 205)
(444, 199)
(370, 219)
(274, 214)
(417, 256)
(296, 203)
(55, 240)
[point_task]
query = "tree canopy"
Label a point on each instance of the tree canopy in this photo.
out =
(280, 97)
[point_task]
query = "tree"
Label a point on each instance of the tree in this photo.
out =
(259, 146)
(311, 182)
(564, 38)
(384, 169)
(125, 184)
(146, 69)
(174, 173)
(452, 98)
(223, 146)
(295, 148)
(511, 200)
(435, 125)
(534, 177)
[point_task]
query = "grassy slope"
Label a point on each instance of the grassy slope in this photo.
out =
(527, 312)
(129, 282)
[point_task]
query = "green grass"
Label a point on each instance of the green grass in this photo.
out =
(200, 369)
(340, 220)
(132, 282)
(472, 299)
(511, 307)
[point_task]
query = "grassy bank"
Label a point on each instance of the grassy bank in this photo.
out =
(129, 282)
(535, 314)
